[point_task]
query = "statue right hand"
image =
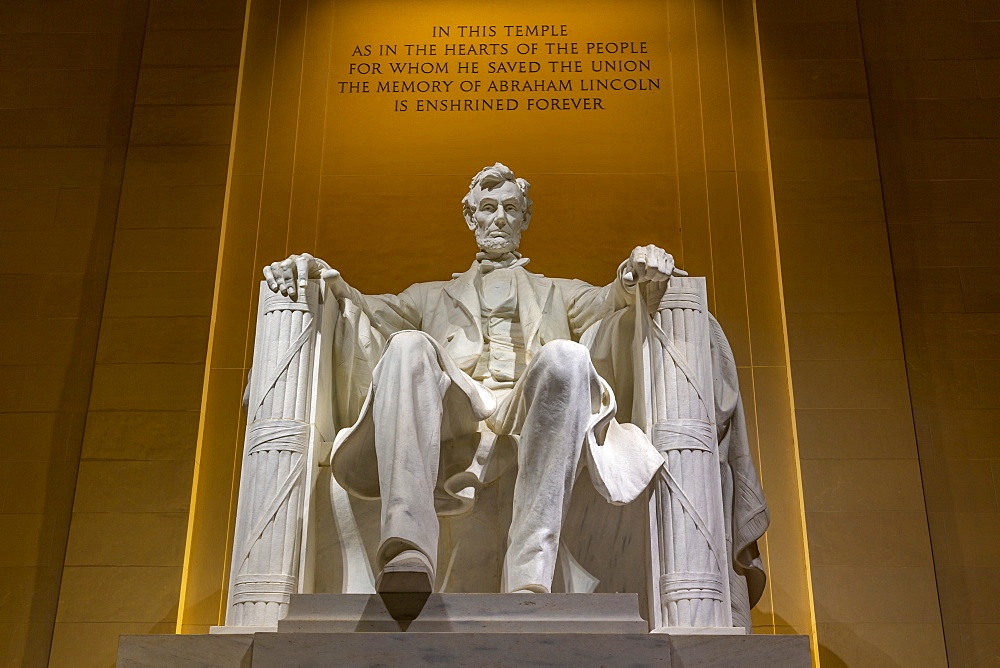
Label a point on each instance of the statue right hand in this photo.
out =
(293, 274)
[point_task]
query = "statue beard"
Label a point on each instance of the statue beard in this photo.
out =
(494, 247)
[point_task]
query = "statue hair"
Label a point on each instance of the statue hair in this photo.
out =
(493, 177)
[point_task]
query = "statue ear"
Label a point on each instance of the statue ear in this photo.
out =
(467, 211)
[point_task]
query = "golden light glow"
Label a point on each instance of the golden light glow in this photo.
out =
(377, 192)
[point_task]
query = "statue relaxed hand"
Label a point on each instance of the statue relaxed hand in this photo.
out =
(650, 263)
(292, 274)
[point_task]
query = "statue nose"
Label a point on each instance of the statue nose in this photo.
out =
(500, 220)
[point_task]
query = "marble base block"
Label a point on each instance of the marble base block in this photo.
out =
(463, 630)
(229, 650)
(464, 613)
(527, 649)
(463, 649)
(241, 630)
(702, 630)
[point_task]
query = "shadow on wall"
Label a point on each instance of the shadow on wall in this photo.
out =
(71, 406)
(863, 652)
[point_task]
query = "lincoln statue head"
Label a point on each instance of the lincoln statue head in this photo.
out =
(497, 209)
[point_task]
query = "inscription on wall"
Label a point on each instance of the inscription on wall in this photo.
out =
(501, 68)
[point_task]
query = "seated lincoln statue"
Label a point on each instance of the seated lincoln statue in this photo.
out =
(500, 368)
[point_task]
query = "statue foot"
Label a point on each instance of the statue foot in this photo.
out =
(409, 572)
(530, 589)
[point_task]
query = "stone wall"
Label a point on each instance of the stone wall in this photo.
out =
(68, 75)
(115, 122)
(883, 144)
(872, 573)
(128, 529)
(934, 77)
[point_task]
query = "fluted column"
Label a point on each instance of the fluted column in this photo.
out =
(269, 521)
(687, 526)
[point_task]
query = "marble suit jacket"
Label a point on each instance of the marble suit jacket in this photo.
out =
(619, 457)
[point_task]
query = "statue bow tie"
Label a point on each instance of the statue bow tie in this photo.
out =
(505, 261)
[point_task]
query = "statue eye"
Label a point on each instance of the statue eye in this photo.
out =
(510, 207)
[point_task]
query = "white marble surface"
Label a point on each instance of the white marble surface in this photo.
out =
(196, 651)
(279, 459)
(465, 630)
(468, 613)
(540, 649)
(463, 649)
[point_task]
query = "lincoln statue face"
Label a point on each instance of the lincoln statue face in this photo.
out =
(497, 209)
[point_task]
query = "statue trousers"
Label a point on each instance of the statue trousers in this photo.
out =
(549, 408)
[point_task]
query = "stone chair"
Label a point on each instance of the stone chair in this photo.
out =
(681, 547)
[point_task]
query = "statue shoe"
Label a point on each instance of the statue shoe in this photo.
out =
(409, 572)
(530, 589)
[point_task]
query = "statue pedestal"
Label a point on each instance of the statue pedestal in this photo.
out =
(462, 629)
(463, 613)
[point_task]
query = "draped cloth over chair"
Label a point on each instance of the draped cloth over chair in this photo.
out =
(674, 374)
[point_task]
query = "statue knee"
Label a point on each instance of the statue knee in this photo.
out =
(410, 347)
(565, 360)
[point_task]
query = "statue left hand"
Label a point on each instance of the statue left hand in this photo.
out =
(293, 274)
(650, 263)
